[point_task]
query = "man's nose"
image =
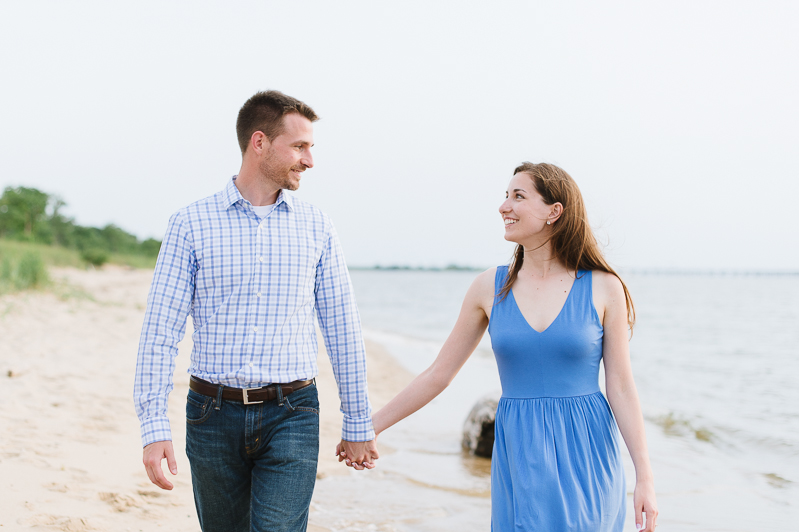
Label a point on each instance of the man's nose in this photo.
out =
(307, 159)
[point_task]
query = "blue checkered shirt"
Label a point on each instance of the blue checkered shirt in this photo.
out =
(252, 288)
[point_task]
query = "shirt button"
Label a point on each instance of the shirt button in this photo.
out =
(261, 259)
(250, 364)
(258, 294)
(255, 329)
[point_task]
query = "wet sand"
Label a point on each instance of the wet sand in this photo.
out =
(70, 453)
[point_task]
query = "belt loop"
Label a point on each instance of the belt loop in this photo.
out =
(219, 397)
(279, 390)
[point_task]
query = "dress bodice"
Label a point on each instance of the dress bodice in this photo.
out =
(561, 361)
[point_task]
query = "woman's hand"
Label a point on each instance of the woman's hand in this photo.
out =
(644, 502)
(366, 450)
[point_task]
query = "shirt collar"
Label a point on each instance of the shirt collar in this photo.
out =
(231, 195)
(288, 199)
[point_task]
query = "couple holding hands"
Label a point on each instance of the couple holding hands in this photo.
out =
(254, 266)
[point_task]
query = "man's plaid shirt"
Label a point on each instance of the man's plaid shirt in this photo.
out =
(252, 288)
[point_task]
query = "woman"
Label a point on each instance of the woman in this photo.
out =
(553, 314)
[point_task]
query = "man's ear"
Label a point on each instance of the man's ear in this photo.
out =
(259, 142)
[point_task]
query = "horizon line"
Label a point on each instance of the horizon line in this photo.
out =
(637, 270)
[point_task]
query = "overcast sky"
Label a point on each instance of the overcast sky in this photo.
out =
(679, 121)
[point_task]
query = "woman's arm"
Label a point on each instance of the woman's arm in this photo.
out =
(622, 394)
(462, 341)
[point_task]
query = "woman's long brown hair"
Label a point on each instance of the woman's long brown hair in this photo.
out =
(572, 241)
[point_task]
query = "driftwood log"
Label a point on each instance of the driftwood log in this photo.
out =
(478, 430)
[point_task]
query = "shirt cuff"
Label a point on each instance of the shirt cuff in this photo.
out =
(155, 429)
(357, 429)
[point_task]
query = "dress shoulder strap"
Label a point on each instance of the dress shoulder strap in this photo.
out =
(582, 283)
(498, 306)
(499, 280)
(584, 291)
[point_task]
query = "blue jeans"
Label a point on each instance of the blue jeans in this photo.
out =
(253, 467)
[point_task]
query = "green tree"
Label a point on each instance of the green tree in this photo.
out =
(32, 215)
(61, 227)
(22, 214)
(151, 247)
(88, 238)
(119, 241)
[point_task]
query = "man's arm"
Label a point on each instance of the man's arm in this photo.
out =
(168, 304)
(341, 329)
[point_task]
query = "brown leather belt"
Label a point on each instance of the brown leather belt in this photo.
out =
(248, 396)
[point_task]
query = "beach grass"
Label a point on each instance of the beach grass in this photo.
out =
(24, 265)
(132, 261)
(22, 271)
(13, 251)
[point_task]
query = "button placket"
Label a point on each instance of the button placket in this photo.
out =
(257, 278)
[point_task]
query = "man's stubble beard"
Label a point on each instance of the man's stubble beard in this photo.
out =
(277, 176)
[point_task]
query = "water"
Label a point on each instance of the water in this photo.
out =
(716, 364)
(721, 353)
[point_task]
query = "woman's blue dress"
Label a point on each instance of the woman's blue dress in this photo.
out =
(556, 464)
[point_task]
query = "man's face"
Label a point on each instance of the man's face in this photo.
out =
(289, 154)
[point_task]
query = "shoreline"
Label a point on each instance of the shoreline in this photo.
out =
(70, 451)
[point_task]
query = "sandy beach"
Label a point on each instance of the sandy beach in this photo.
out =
(70, 452)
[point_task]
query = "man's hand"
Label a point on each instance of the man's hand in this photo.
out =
(358, 454)
(153, 454)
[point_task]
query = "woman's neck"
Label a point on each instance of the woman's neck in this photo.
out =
(541, 262)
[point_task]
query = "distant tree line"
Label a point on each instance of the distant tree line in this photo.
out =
(31, 215)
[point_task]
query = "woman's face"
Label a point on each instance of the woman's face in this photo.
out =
(524, 212)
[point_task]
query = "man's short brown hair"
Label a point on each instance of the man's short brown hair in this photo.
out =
(264, 112)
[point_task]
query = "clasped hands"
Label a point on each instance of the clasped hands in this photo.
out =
(358, 454)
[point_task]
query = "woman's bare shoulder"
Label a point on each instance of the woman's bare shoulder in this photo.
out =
(607, 286)
(481, 292)
(488, 275)
(484, 282)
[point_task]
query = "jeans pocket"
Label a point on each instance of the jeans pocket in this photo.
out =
(303, 400)
(198, 407)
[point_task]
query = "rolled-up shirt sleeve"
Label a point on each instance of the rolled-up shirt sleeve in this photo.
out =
(341, 329)
(168, 305)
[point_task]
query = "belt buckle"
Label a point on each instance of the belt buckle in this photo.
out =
(247, 399)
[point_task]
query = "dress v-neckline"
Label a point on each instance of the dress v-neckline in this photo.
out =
(568, 297)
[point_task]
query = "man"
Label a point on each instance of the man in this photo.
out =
(252, 265)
